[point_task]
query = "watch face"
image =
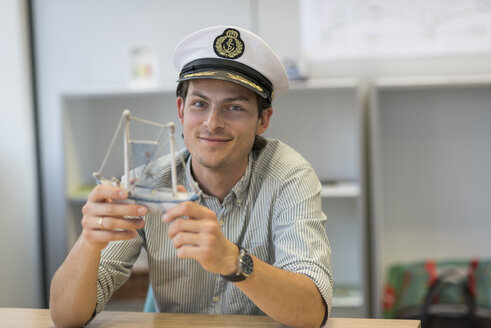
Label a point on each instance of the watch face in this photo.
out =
(247, 264)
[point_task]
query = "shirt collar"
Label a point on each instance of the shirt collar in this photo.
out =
(190, 179)
(240, 187)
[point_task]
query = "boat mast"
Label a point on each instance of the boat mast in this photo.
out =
(172, 129)
(126, 115)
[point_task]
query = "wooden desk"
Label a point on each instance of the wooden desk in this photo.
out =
(17, 318)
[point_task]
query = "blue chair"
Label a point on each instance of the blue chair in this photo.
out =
(149, 301)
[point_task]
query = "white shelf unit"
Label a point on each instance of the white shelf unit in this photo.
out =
(90, 118)
(341, 190)
(322, 119)
(430, 171)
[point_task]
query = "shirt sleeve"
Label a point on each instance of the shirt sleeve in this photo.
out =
(300, 239)
(115, 267)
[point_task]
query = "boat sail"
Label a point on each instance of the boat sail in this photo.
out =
(139, 159)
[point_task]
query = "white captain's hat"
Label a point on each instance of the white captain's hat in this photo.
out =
(231, 54)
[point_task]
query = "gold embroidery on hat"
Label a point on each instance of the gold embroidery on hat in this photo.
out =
(243, 80)
(211, 73)
(229, 44)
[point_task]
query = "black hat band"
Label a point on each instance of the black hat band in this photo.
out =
(203, 68)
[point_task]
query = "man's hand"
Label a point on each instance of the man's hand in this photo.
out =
(103, 220)
(201, 238)
(73, 293)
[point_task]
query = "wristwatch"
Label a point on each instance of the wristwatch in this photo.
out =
(245, 265)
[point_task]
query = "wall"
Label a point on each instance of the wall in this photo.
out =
(20, 282)
(82, 44)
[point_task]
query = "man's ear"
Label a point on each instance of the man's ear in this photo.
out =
(263, 121)
(180, 109)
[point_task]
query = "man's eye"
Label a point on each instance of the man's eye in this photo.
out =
(198, 104)
(235, 108)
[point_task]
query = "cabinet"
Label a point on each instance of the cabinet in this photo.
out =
(430, 177)
(90, 117)
(323, 120)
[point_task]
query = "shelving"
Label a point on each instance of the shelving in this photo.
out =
(430, 170)
(90, 118)
(324, 120)
(341, 189)
(347, 297)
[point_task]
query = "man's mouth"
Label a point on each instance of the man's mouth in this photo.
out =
(214, 139)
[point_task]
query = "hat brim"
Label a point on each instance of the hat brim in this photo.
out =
(226, 75)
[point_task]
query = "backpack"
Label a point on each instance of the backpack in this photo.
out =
(450, 294)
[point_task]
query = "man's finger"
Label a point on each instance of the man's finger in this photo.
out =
(189, 209)
(103, 236)
(186, 238)
(103, 192)
(182, 225)
(112, 223)
(114, 209)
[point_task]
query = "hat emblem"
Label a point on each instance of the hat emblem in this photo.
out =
(229, 44)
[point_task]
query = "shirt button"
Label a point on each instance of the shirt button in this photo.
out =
(239, 201)
(220, 223)
(216, 298)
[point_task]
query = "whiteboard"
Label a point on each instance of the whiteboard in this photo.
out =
(357, 29)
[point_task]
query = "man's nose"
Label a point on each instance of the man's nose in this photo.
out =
(214, 120)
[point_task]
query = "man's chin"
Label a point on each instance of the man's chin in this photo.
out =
(211, 164)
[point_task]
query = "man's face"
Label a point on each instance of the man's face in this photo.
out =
(220, 121)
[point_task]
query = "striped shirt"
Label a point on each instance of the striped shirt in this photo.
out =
(273, 211)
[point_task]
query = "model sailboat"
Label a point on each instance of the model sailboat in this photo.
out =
(139, 160)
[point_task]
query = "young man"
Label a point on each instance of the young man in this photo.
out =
(254, 243)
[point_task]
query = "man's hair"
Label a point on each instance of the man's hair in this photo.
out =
(262, 104)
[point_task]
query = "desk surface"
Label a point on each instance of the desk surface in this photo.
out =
(14, 318)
